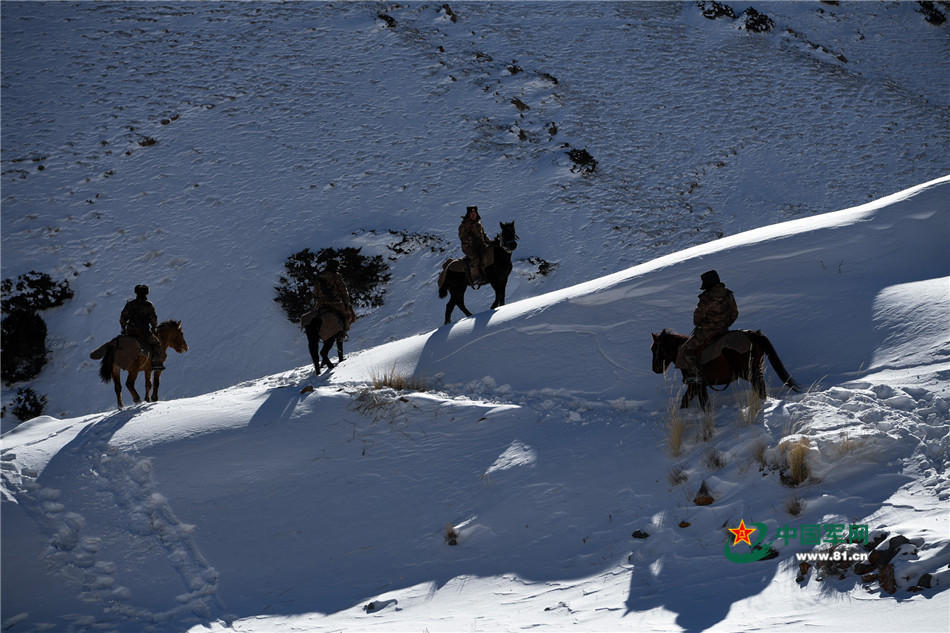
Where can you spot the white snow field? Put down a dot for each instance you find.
(536, 436)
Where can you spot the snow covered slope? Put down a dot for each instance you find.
(542, 441)
(283, 126)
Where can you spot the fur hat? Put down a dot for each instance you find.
(710, 278)
(471, 208)
(141, 290)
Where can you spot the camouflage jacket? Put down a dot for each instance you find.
(331, 292)
(473, 237)
(716, 311)
(138, 317)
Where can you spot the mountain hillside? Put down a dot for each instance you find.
(531, 476)
(194, 147)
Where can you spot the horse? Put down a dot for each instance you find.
(125, 353)
(327, 327)
(454, 278)
(725, 367)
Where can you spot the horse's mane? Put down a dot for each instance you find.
(169, 323)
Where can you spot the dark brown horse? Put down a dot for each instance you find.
(454, 280)
(726, 367)
(125, 353)
(326, 326)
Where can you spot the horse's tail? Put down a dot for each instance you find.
(105, 367)
(777, 365)
(443, 280)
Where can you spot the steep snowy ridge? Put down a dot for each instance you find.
(329, 509)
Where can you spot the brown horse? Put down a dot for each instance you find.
(454, 280)
(726, 366)
(326, 326)
(125, 353)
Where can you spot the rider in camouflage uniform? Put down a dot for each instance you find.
(474, 243)
(139, 320)
(332, 295)
(714, 314)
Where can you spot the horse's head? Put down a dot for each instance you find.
(664, 348)
(171, 335)
(508, 239)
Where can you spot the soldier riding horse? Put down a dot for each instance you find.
(455, 276)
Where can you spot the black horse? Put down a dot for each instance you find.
(728, 366)
(327, 327)
(454, 281)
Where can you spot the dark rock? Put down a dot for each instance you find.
(895, 543)
(583, 161)
(640, 534)
(926, 581)
(388, 19)
(873, 543)
(703, 497)
(887, 581)
(449, 12)
(757, 22)
(931, 13)
(712, 10)
(521, 105)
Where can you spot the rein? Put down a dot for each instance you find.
(506, 245)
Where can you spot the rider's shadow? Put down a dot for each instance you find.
(279, 405)
(89, 445)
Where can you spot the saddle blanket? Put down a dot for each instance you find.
(735, 340)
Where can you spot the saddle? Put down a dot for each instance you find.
(735, 340)
(330, 322)
(461, 265)
(127, 349)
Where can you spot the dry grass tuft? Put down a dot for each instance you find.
(794, 506)
(797, 466)
(715, 459)
(394, 380)
(759, 453)
(372, 403)
(676, 428)
(847, 444)
(709, 424)
(678, 476)
(750, 406)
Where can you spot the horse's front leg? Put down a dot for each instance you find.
(117, 383)
(130, 384)
(684, 403)
(499, 297)
(703, 397)
(148, 383)
(339, 348)
(459, 299)
(313, 342)
(448, 310)
(325, 352)
(157, 378)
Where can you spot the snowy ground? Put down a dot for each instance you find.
(540, 437)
